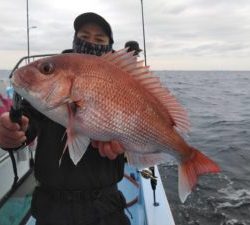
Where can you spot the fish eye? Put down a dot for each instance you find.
(47, 68)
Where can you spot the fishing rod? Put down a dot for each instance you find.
(143, 30)
(153, 179)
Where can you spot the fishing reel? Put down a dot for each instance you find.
(147, 174)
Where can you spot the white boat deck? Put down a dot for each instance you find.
(6, 170)
(144, 212)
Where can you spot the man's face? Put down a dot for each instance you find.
(93, 33)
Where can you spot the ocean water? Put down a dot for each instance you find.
(218, 104)
(4, 74)
(4, 81)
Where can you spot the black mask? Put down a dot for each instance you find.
(81, 46)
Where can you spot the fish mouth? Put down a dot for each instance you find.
(20, 89)
(31, 97)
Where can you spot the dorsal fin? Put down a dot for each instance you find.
(127, 62)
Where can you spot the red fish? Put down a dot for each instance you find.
(113, 97)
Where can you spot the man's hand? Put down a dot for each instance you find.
(110, 149)
(12, 135)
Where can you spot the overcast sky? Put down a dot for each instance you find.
(180, 34)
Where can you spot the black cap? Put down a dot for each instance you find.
(91, 17)
(132, 46)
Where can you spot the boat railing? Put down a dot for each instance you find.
(27, 59)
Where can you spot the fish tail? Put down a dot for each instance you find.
(191, 168)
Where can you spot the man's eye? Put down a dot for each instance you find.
(100, 41)
(84, 37)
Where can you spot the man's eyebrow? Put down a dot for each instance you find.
(100, 35)
(97, 35)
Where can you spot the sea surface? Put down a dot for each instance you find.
(4, 81)
(218, 104)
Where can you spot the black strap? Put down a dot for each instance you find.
(15, 116)
(13, 160)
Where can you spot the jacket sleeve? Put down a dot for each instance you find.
(35, 118)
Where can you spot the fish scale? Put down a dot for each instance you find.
(129, 133)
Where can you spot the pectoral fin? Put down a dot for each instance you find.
(77, 143)
(78, 147)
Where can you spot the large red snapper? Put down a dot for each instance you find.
(113, 97)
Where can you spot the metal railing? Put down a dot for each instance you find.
(33, 57)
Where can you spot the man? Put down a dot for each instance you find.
(133, 46)
(69, 194)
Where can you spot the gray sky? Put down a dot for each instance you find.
(180, 34)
